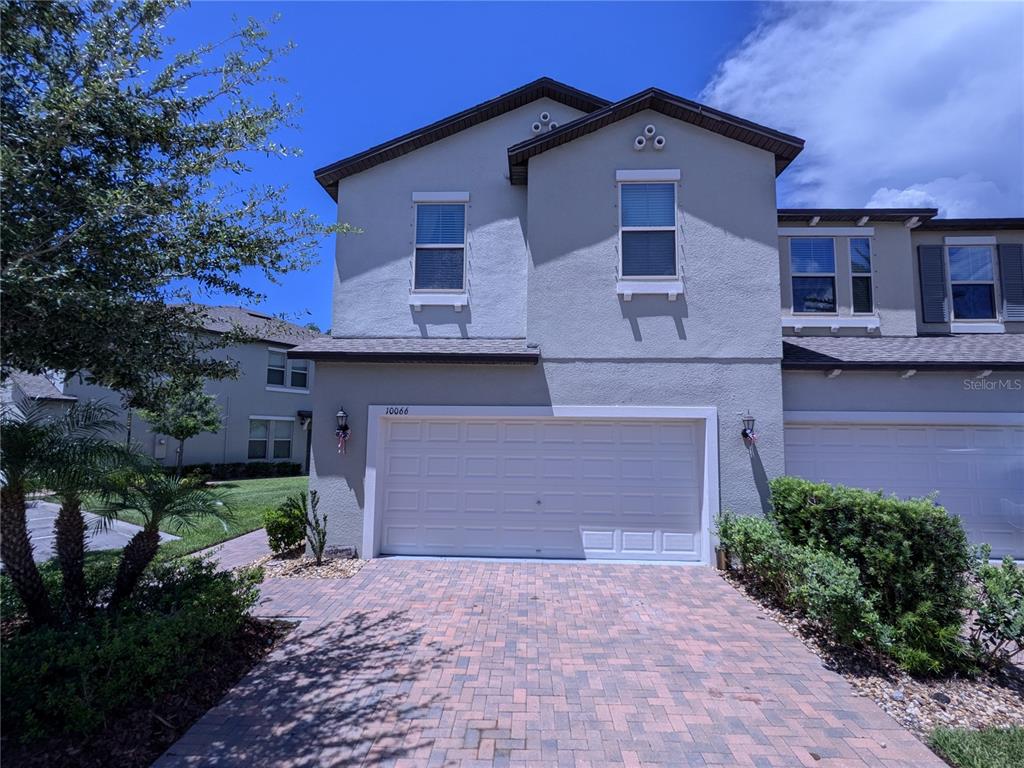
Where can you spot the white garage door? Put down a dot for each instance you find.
(978, 471)
(555, 488)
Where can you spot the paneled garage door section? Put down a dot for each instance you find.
(558, 488)
(978, 471)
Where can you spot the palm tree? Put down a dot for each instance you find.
(26, 435)
(78, 461)
(159, 499)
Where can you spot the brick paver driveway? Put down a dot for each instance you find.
(463, 663)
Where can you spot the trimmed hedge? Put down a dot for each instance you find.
(241, 470)
(72, 679)
(872, 569)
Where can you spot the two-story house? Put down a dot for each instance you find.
(266, 410)
(558, 335)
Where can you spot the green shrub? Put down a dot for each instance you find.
(997, 632)
(912, 557)
(819, 584)
(241, 470)
(72, 679)
(286, 525)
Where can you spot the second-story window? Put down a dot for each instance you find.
(972, 282)
(277, 366)
(812, 263)
(299, 374)
(440, 261)
(648, 229)
(860, 275)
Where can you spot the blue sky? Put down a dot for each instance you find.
(364, 73)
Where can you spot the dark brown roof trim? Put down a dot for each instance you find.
(889, 365)
(446, 358)
(973, 224)
(852, 214)
(784, 146)
(329, 175)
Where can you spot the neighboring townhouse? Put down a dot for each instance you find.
(42, 393)
(267, 409)
(558, 335)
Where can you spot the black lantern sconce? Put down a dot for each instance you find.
(749, 437)
(343, 432)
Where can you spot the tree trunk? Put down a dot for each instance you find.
(69, 534)
(16, 553)
(138, 553)
(181, 457)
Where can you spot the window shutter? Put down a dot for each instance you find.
(1011, 270)
(932, 268)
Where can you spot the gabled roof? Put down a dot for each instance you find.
(973, 224)
(853, 214)
(968, 352)
(782, 145)
(36, 386)
(224, 319)
(545, 87)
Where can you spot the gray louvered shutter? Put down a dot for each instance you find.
(1011, 271)
(931, 263)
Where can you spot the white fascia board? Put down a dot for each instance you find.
(440, 197)
(923, 418)
(969, 240)
(668, 174)
(826, 231)
(272, 418)
(828, 321)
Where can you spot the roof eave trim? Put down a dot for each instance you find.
(510, 358)
(801, 365)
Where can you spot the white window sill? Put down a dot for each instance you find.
(293, 390)
(976, 327)
(456, 299)
(670, 287)
(832, 322)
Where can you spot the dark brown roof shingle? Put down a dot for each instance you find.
(224, 319)
(995, 351)
(399, 350)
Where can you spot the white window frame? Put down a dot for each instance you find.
(994, 282)
(870, 275)
(674, 229)
(289, 366)
(832, 274)
(440, 199)
(270, 439)
(284, 370)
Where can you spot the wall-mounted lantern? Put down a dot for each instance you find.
(343, 432)
(749, 437)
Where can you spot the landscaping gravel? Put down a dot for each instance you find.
(306, 567)
(992, 699)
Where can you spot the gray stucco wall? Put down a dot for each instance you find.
(238, 399)
(892, 266)
(885, 391)
(729, 386)
(936, 237)
(374, 269)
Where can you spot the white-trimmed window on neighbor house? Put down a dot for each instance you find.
(812, 265)
(647, 228)
(972, 281)
(440, 258)
(270, 438)
(286, 374)
(860, 276)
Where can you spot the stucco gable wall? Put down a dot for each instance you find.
(374, 269)
(727, 247)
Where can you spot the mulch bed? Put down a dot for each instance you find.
(142, 735)
(993, 699)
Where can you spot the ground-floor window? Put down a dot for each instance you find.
(270, 438)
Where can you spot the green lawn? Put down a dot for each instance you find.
(246, 499)
(991, 748)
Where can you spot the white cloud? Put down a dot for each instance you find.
(900, 104)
